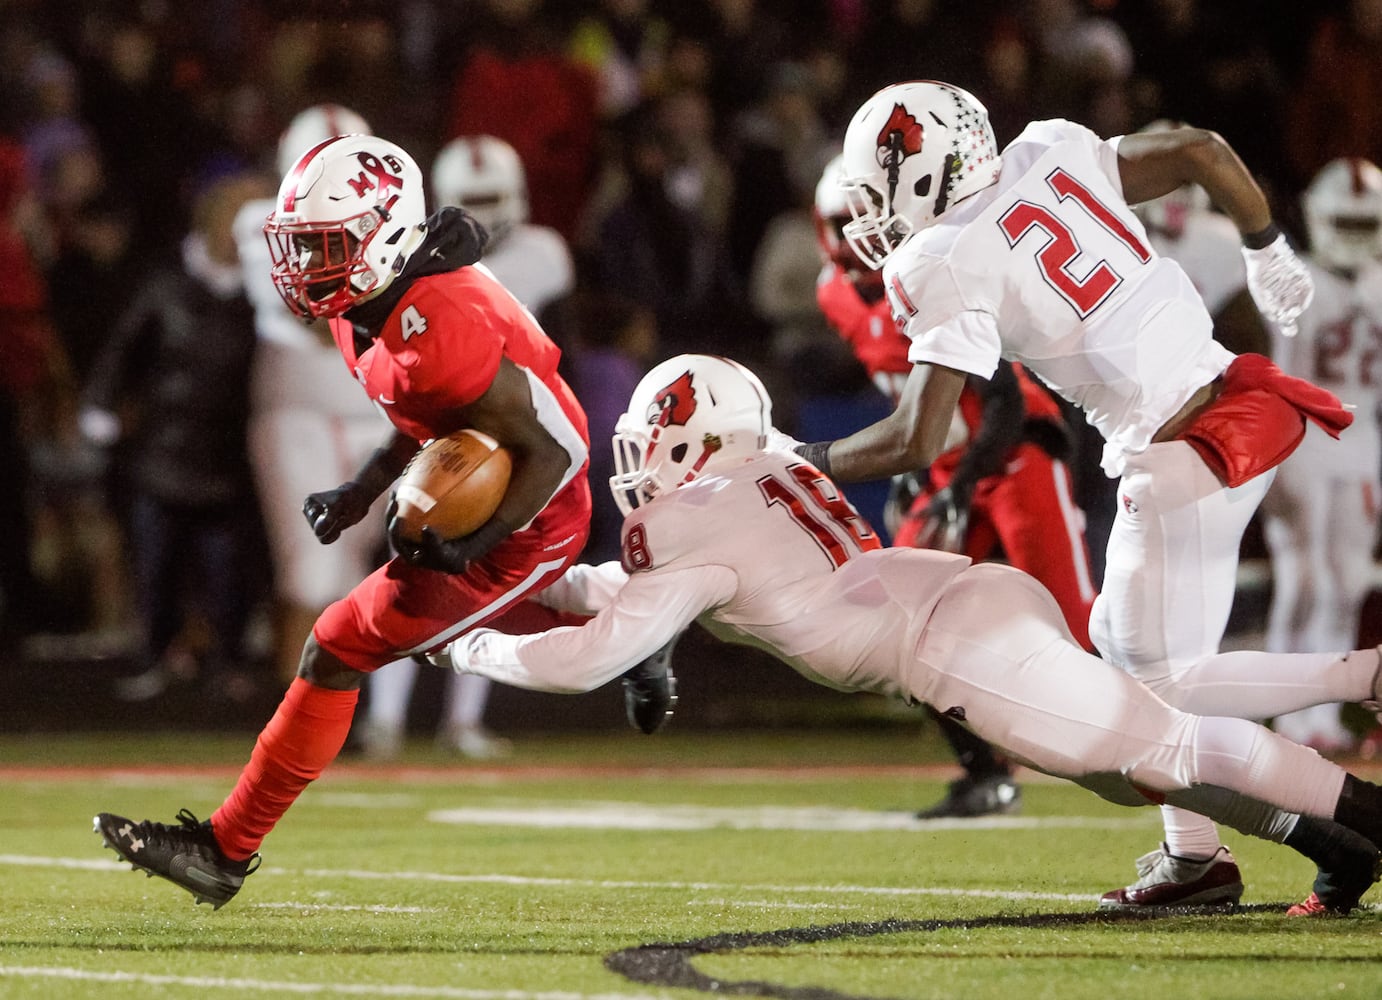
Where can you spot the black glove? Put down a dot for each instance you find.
(445, 555)
(332, 511)
(902, 492)
(650, 691)
(946, 520)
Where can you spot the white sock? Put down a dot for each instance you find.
(1189, 835)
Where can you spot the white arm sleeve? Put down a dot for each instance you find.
(649, 611)
(585, 589)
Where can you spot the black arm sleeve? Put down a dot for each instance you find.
(1000, 429)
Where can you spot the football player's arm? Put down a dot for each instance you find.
(508, 411)
(905, 440)
(1000, 429)
(1151, 164)
(584, 589)
(331, 512)
(650, 610)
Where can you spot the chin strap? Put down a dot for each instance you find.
(952, 164)
(892, 162)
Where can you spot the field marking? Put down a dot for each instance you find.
(492, 774)
(345, 907)
(281, 987)
(642, 816)
(445, 878)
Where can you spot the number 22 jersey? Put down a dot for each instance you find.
(1049, 267)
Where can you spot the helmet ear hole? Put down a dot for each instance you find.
(679, 453)
(923, 186)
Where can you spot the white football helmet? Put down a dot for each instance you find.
(1168, 214)
(349, 215)
(690, 414)
(312, 125)
(1343, 213)
(911, 151)
(485, 176)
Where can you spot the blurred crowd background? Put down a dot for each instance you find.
(674, 144)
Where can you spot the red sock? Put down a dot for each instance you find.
(305, 734)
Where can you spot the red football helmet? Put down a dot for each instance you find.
(349, 215)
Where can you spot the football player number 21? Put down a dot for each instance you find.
(1056, 254)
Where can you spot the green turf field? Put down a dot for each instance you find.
(782, 864)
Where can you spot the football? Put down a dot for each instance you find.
(453, 485)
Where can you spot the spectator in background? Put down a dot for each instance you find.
(151, 142)
(1175, 42)
(780, 143)
(172, 389)
(1010, 67)
(916, 39)
(782, 285)
(516, 83)
(1337, 108)
(625, 44)
(36, 397)
(654, 246)
(483, 175)
(744, 39)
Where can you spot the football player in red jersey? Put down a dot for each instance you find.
(438, 344)
(1002, 481)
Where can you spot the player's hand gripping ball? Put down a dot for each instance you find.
(453, 486)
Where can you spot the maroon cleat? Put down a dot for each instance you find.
(1166, 880)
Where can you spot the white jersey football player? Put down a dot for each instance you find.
(1321, 515)
(485, 176)
(729, 528)
(1035, 256)
(309, 422)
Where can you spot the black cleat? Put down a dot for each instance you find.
(650, 691)
(967, 797)
(186, 855)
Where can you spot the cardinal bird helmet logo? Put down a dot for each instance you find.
(900, 137)
(675, 404)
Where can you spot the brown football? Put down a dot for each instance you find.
(453, 485)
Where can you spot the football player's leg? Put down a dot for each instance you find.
(1042, 532)
(1286, 533)
(397, 609)
(1169, 583)
(1029, 689)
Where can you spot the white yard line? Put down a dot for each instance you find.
(642, 816)
(445, 878)
(282, 987)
